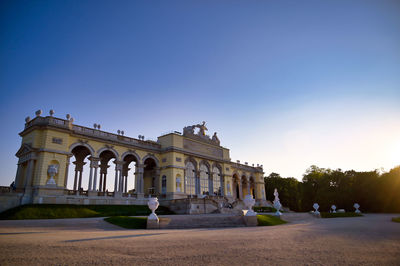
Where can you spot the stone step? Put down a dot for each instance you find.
(201, 221)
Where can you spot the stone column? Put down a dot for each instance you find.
(248, 187)
(104, 181)
(139, 180)
(116, 179)
(29, 174)
(95, 179)
(126, 184)
(101, 181)
(90, 178)
(27, 198)
(80, 180)
(197, 182)
(18, 176)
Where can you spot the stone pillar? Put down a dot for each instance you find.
(95, 179)
(18, 176)
(197, 182)
(116, 179)
(27, 198)
(248, 187)
(139, 180)
(104, 181)
(29, 174)
(126, 184)
(90, 178)
(80, 180)
(66, 172)
(101, 182)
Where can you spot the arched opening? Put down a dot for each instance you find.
(204, 180)
(149, 177)
(128, 184)
(78, 180)
(190, 179)
(107, 180)
(236, 186)
(217, 187)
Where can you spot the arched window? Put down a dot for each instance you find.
(190, 179)
(204, 179)
(217, 184)
(164, 185)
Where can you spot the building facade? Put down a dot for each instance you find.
(178, 165)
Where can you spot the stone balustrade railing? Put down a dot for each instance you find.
(91, 132)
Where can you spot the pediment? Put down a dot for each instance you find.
(24, 149)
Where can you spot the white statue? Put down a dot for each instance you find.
(153, 205)
(356, 206)
(249, 203)
(277, 203)
(333, 207)
(52, 171)
(316, 206)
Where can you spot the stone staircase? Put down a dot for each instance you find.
(201, 221)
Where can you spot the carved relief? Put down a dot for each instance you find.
(201, 148)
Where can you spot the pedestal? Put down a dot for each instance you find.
(153, 223)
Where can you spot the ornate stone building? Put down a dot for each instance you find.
(177, 166)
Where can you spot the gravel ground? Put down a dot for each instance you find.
(369, 240)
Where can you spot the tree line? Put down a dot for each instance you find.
(374, 191)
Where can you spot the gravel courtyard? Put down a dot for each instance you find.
(369, 240)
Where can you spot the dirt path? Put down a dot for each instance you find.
(369, 240)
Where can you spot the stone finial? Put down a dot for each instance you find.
(119, 131)
(122, 132)
(68, 116)
(38, 113)
(95, 125)
(51, 112)
(71, 119)
(246, 163)
(238, 161)
(98, 126)
(27, 119)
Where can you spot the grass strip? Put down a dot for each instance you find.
(269, 220)
(396, 220)
(128, 222)
(59, 211)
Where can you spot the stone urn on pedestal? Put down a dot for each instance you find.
(356, 206)
(333, 207)
(52, 171)
(249, 203)
(152, 220)
(316, 207)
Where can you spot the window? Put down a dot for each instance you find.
(190, 179)
(217, 184)
(204, 179)
(164, 185)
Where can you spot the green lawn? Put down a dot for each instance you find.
(268, 220)
(397, 220)
(128, 222)
(57, 211)
(339, 215)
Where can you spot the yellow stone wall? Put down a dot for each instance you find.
(58, 153)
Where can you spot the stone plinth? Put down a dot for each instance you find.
(153, 224)
(250, 220)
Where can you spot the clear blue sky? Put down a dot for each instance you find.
(285, 83)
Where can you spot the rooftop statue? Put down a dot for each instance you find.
(189, 131)
(202, 128)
